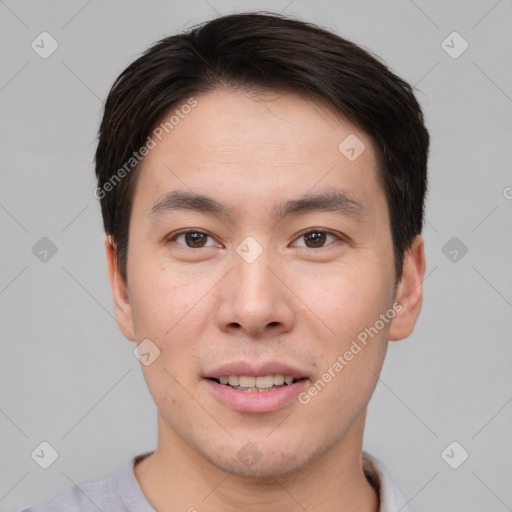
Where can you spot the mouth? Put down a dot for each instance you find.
(253, 384)
(255, 388)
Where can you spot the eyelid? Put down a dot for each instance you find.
(173, 236)
(307, 231)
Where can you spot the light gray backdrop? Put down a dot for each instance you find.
(69, 378)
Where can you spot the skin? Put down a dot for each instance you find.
(295, 303)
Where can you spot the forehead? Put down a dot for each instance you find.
(257, 146)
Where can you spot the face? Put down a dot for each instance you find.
(260, 248)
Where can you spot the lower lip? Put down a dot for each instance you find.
(257, 401)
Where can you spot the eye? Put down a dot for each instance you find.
(192, 239)
(312, 239)
(317, 238)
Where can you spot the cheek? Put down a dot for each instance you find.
(167, 388)
(346, 298)
(170, 310)
(163, 300)
(352, 307)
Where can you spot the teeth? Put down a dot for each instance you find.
(246, 382)
(264, 382)
(251, 383)
(278, 380)
(256, 390)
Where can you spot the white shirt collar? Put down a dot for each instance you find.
(391, 500)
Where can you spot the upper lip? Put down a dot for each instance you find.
(255, 369)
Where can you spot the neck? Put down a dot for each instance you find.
(177, 477)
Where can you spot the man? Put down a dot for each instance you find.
(262, 186)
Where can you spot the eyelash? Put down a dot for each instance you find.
(173, 237)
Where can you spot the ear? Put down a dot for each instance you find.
(119, 289)
(410, 292)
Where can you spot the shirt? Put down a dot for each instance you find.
(120, 492)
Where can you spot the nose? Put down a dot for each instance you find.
(255, 301)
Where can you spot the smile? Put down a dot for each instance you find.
(251, 384)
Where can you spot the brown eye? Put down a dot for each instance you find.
(317, 239)
(192, 239)
(195, 239)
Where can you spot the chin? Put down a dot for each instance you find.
(267, 467)
(263, 458)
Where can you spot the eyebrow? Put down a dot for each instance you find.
(334, 200)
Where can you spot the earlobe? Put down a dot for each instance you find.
(410, 292)
(120, 295)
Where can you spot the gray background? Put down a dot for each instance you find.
(68, 377)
